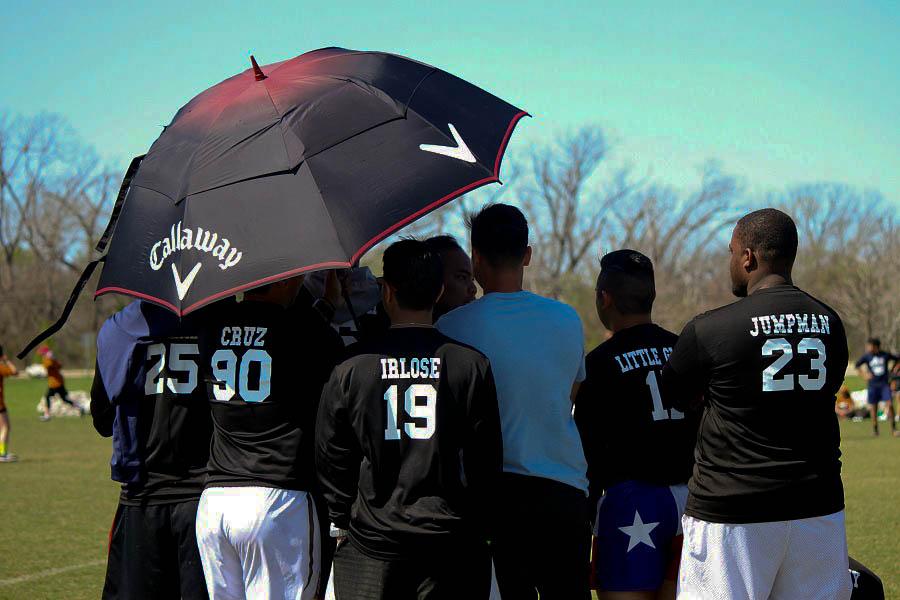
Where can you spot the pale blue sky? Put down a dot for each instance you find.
(779, 92)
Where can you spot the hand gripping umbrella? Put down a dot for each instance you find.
(293, 167)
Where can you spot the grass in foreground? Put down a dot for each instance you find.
(57, 503)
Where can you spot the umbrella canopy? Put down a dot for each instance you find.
(298, 166)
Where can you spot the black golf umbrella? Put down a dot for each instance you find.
(298, 166)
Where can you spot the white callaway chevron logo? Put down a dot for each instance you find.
(460, 152)
(182, 286)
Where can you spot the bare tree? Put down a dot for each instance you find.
(566, 212)
(848, 241)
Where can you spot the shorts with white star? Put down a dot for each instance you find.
(638, 536)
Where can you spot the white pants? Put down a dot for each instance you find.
(258, 543)
(783, 560)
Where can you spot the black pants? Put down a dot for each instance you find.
(542, 542)
(153, 554)
(58, 391)
(464, 574)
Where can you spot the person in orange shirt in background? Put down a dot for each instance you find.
(56, 384)
(7, 369)
(843, 405)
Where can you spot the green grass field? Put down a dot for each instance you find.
(57, 502)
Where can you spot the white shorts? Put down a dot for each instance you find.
(258, 542)
(783, 560)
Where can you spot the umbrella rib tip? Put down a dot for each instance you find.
(256, 70)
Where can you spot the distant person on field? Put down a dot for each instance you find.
(7, 369)
(844, 406)
(877, 373)
(765, 510)
(459, 282)
(148, 396)
(536, 348)
(56, 384)
(639, 448)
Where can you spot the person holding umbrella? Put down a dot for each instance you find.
(264, 369)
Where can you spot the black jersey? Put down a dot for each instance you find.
(629, 430)
(768, 367)
(148, 396)
(264, 367)
(408, 443)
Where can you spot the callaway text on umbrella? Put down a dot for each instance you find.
(297, 166)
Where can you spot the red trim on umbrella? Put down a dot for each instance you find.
(225, 294)
(332, 265)
(465, 189)
(148, 297)
(263, 281)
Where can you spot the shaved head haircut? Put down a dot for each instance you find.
(770, 233)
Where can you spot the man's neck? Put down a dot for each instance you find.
(266, 298)
(411, 318)
(505, 282)
(627, 321)
(767, 280)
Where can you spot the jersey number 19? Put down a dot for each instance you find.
(414, 409)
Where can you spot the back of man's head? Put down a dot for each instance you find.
(500, 235)
(415, 272)
(443, 243)
(771, 234)
(627, 275)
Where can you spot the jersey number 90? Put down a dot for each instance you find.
(232, 375)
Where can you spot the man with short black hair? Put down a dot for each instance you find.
(877, 374)
(409, 450)
(536, 348)
(264, 363)
(459, 284)
(639, 448)
(765, 512)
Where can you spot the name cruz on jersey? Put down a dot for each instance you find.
(249, 375)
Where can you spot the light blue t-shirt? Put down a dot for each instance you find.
(536, 349)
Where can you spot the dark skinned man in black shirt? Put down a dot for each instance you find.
(764, 516)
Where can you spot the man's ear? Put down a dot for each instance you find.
(527, 260)
(748, 260)
(606, 299)
(438, 299)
